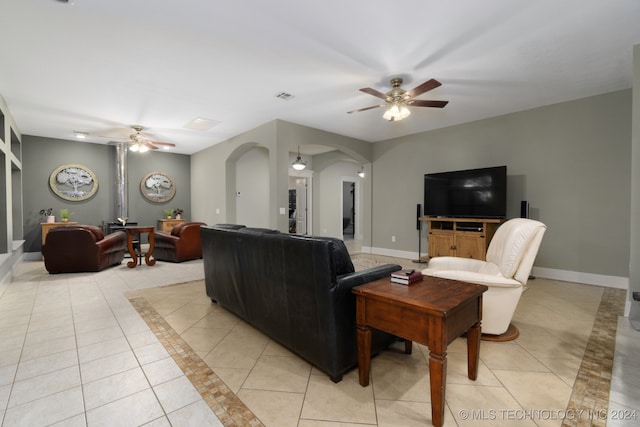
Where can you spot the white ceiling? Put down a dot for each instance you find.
(96, 66)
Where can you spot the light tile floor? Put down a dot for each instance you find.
(75, 351)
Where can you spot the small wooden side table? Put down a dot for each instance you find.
(46, 226)
(136, 231)
(167, 225)
(432, 312)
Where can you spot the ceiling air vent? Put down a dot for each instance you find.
(284, 95)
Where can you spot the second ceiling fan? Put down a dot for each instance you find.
(397, 100)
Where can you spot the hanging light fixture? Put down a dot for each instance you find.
(361, 172)
(299, 164)
(396, 112)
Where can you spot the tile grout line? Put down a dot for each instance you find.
(229, 409)
(590, 396)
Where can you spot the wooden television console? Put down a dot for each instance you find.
(461, 237)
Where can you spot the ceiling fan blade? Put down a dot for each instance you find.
(373, 92)
(150, 145)
(365, 109)
(168, 144)
(421, 103)
(424, 87)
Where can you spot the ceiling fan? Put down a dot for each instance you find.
(397, 99)
(137, 141)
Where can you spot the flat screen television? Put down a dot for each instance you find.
(473, 193)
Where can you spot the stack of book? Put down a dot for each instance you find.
(406, 277)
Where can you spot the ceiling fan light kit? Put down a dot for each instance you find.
(397, 100)
(396, 112)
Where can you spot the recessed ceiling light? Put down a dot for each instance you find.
(201, 124)
(81, 135)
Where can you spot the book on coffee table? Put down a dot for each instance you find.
(406, 277)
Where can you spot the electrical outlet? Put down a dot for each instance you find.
(218, 211)
(393, 238)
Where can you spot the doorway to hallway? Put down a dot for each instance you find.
(300, 204)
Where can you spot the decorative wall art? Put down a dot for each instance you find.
(157, 187)
(73, 182)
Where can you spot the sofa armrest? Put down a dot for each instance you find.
(350, 280)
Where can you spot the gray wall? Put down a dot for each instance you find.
(42, 155)
(571, 161)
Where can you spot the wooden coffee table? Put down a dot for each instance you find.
(432, 312)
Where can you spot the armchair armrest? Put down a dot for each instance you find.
(480, 278)
(116, 241)
(162, 236)
(455, 263)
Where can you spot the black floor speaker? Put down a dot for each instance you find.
(419, 228)
(524, 209)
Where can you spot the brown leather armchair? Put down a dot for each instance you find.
(78, 248)
(182, 244)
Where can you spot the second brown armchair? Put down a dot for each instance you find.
(182, 244)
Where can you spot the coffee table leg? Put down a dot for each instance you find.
(132, 251)
(152, 243)
(364, 354)
(473, 351)
(438, 373)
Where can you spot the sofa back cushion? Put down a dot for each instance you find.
(341, 257)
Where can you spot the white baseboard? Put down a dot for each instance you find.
(32, 256)
(547, 273)
(389, 252)
(579, 277)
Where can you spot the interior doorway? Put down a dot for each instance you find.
(350, 209)
(300, 204)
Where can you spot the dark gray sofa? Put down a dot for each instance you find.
(295, 289)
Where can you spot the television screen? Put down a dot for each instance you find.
(473, 193)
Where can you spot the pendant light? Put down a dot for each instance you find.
(299, 164)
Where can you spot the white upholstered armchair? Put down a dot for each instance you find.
(508, 264)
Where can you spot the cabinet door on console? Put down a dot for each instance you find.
(470, 246)
(441, 244)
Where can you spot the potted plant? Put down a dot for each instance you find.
(65, 215)
(177, 212)
(168, 213)
(48, 213)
